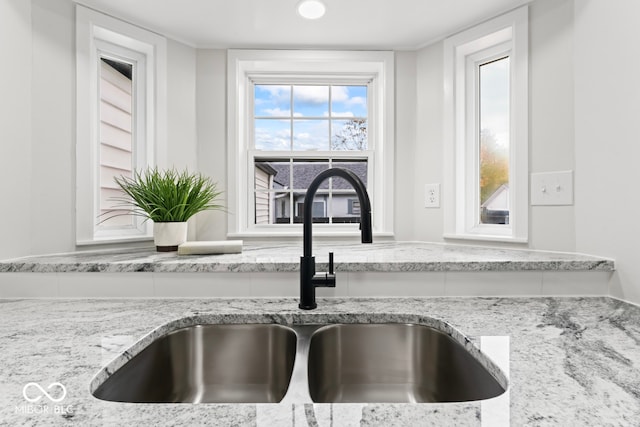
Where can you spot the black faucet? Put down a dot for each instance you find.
(309, 280)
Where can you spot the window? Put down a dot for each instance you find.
(293, 115)
(116, 118)
(120, 98)
(354, 207)
(318, 127)
(493, 128)
(486, 130)
(319, 211)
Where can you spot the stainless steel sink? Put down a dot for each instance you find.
(268, 363)
(211, 363)
(394, 363)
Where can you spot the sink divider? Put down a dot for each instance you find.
(298, 391)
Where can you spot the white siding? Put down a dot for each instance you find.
(263, 199)
(499, 201)
(116, 156)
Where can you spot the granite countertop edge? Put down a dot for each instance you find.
(349, 257)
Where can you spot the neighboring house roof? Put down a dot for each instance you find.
(121, 67)
(266, 168)
(304, 175)
(499, 200)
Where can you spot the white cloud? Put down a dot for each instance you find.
(307, 99)
(276, 91)
(311, 135)
(311, 94)
(356, 100)
(272, 140)
(272, 95)
(339, 94)
(276, 112)
(343, 114)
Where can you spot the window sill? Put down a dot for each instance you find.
(486, 238)
(288, 235)
(114, 240)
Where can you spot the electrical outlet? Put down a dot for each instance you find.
(432, 196)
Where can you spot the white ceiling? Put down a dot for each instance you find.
(348, 24)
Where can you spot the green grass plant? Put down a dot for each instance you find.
(166, 196)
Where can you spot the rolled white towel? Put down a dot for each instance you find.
(210, 247)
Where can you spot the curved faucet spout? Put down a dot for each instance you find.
(363, 197)
(309, 280)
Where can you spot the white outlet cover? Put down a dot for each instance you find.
(432, 196)
(552, 188)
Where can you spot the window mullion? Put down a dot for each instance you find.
(330, 201)
(291, 117)
(477, 131)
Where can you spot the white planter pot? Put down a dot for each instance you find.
(168, 235)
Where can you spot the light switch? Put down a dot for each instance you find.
(552, 188)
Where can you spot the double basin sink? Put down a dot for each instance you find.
(270, 363)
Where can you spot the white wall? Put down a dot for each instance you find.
(37, 145)
(607, 113)
(551, 126)
(15, 127)
(405, 127)
(182, 135)
(181, 106)
(52, 227)
(428, 154)
(211, 78)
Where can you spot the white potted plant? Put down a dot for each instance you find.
(169, 199)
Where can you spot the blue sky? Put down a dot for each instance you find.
(310, 101)
(273, 102)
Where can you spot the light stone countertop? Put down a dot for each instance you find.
(377, 257)
(572, 361)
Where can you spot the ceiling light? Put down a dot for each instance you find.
(311, 9)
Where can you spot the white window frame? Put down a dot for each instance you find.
(463, 53)
(101, 35)
(249, 67)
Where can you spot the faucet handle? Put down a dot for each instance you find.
(330, 262)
